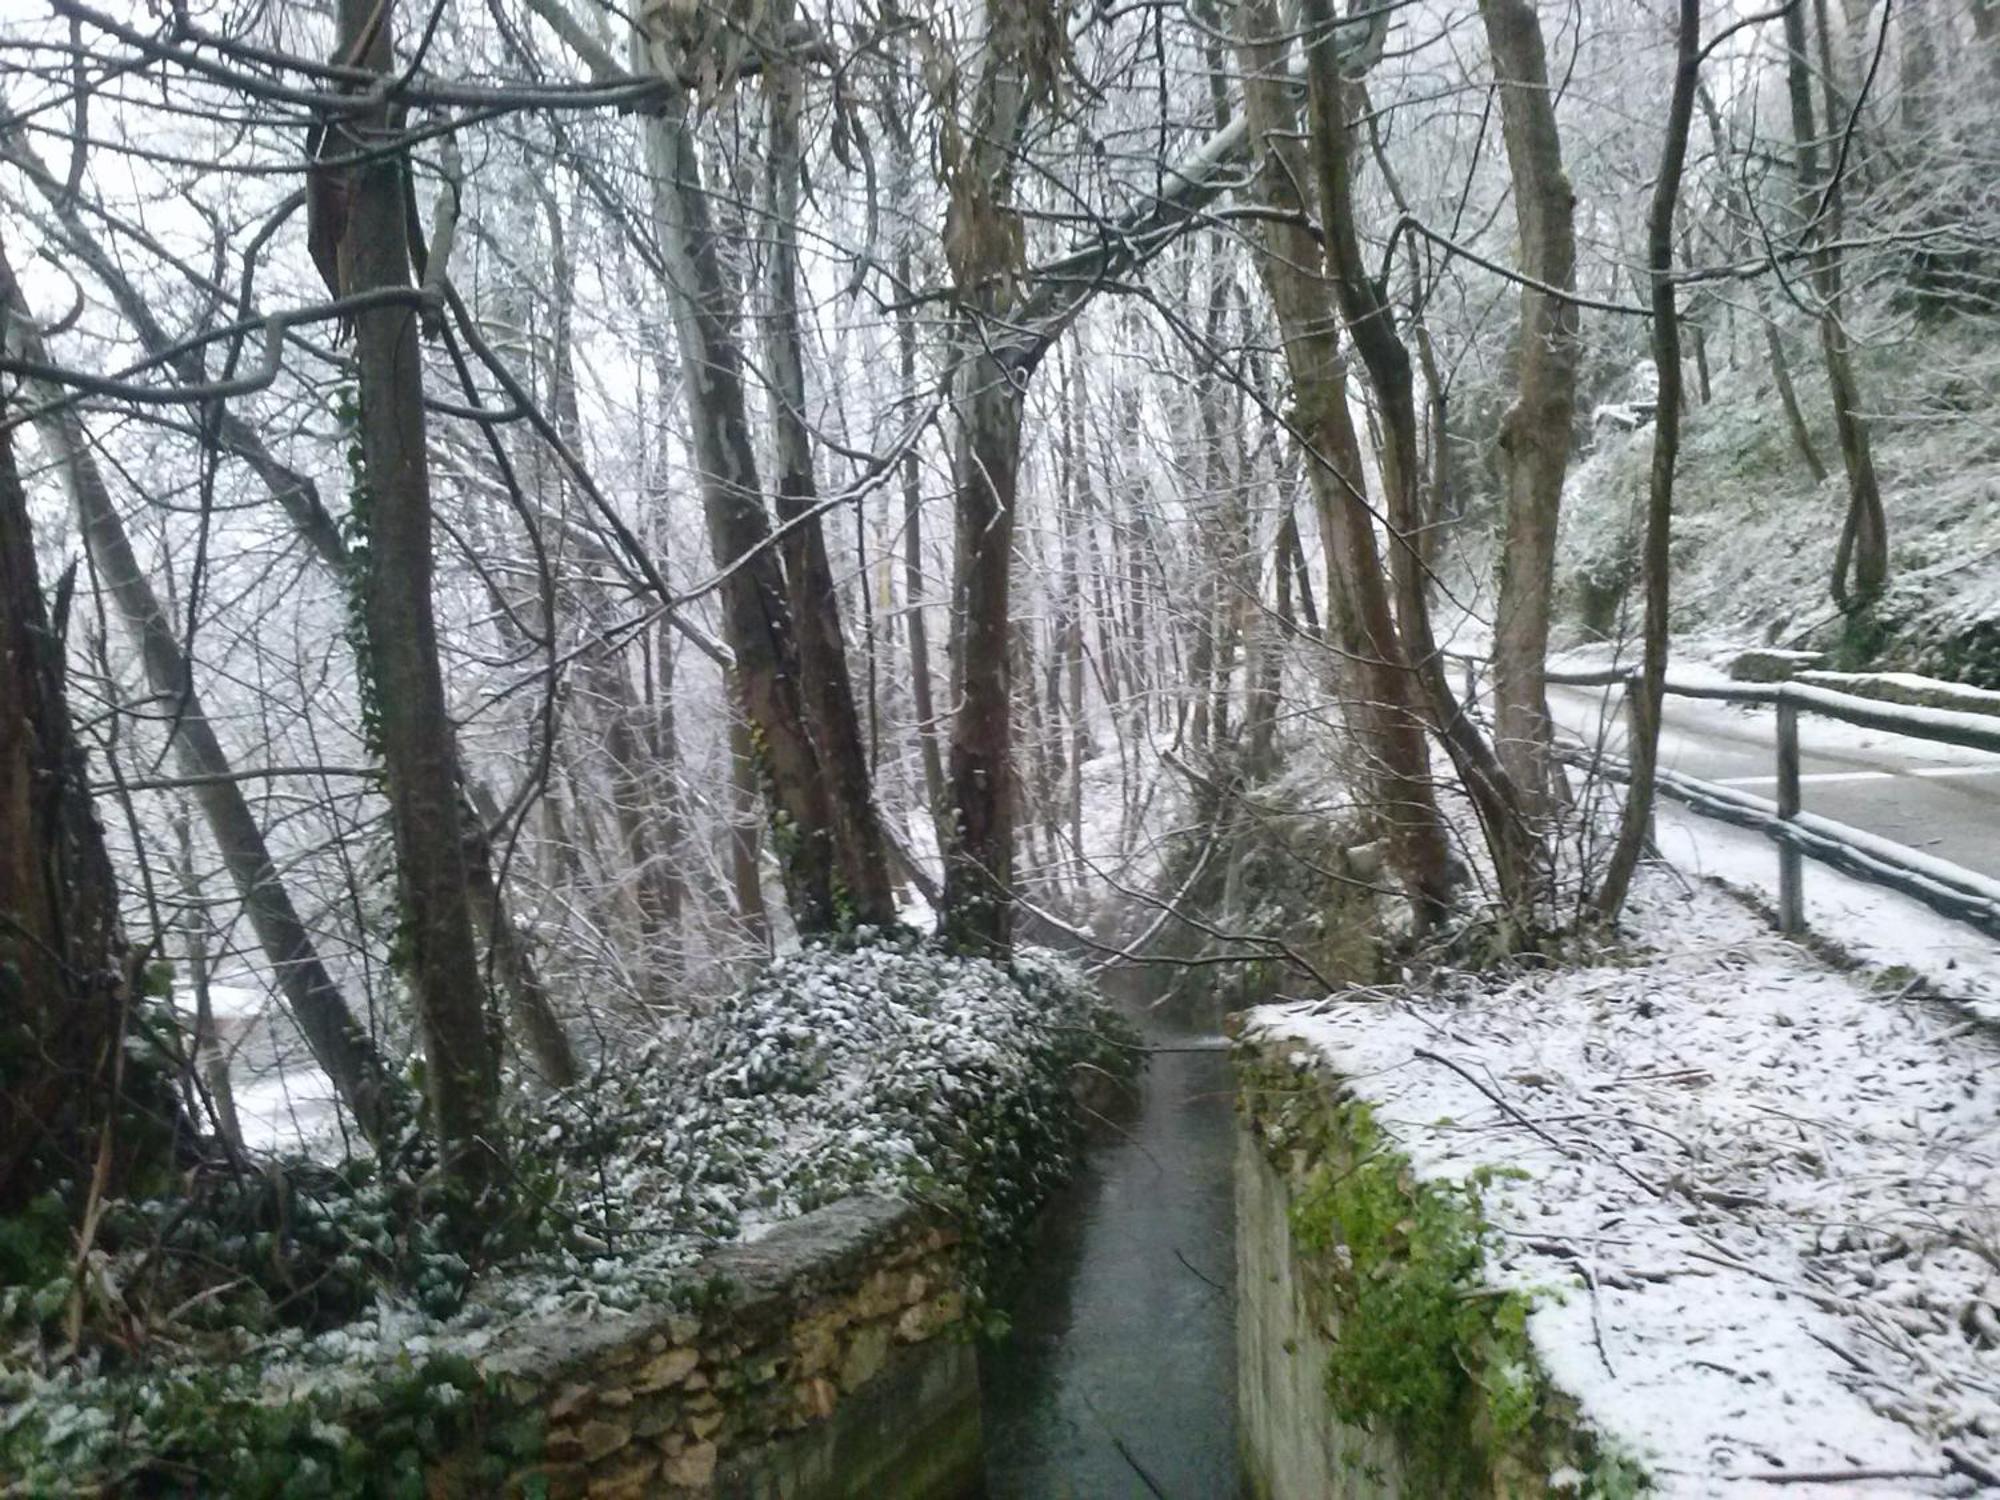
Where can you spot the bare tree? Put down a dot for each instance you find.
(74, 1108)
(1535, 434)
(324, 1017)
(1864, 537)
(984, 246)
(836, 727)
(1378, 689)
(1370, 323)
(419, 756)
(1643, 752)
(298, 498)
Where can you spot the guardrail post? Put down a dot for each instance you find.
(1791, 863)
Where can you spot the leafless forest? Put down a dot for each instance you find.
(512, 511)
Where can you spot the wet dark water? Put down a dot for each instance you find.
(1119, 1378)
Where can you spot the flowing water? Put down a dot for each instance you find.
(1119, 1378)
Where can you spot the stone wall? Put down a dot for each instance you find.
(829, 1359)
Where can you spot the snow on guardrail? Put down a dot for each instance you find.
(1956, 892)
(1949, 726)
(1905, 687)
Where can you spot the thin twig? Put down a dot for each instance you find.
(1519, 1118)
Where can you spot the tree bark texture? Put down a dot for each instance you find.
(419, 753)
(829, 690)
(979, 855)
(1535, 433)
(746, 835)
(1644, 740)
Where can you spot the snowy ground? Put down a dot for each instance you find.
(1764, 1201)
(1877, 926)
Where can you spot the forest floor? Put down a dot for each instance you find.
(1761, 1213)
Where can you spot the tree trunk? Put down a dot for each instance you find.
(1263, 662)
(419, 755)
(624, 720)
(829, 692)
(745, 834)
(332, 1033)
(1644, 752)
(294, 492)
(536, 1029)
(1863, 549)
(66, 974)
(1292, 557)
(1370, 323)
(1378, 690)
(667, 801)
(979, 856)
(1077, 519)
(630, 753)
(1535, 433)
(982, 237)
(1781, 368)
(913, 575)
(211, 1056)
(1788, 396)
(1438, 505)
(1986, 30)
(757, 614)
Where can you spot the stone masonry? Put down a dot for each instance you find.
(825, 1347)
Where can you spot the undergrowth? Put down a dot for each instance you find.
(1419, 1335)
(301, 1329)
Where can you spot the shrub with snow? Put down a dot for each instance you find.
(889, 1066)
(886, 1066)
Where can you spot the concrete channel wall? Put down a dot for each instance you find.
(1311, 1172)
(1292, 1444)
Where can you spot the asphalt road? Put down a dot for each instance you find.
(1936, 798)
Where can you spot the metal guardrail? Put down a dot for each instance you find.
(1949, 889)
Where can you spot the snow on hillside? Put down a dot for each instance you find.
(1754, 537)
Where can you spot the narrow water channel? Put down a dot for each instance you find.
(1119, 1377)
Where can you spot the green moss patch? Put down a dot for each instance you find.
(1426, 1351)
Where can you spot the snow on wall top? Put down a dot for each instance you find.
(1763, 1204)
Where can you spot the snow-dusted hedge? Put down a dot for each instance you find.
(886, 1067)
(889, 1067)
